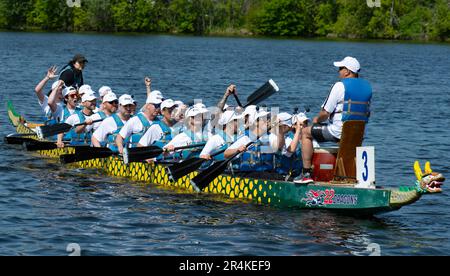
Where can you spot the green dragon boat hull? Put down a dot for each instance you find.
(338, 197)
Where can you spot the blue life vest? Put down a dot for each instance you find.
(358, 94)
(254, 160)
(136, 137)
(228, 142)
(289, 165)
(79, 138)
(66, 114)
(167, 135)
(111, 144)
(102, 115)
(185, 154)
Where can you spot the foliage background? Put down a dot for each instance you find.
(395, 19)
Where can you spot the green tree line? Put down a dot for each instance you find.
(393, 19)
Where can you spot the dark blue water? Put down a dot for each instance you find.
(45, 206)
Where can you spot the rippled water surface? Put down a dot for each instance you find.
(45, 206)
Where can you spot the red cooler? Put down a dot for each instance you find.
(324, 160)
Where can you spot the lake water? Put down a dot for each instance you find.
(45, 206)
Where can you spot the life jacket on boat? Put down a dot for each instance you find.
(66, 114)
(166, 136)
(229, 140)
(358, 94)
(289, 165)
(102, 115)
(258, 157)
(79, 138)
(136, 137)
(196, 139)
(111, 139)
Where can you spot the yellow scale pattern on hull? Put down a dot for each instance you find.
(232, 187)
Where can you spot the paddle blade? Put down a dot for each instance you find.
(203, 179)
(68, 158)
(77, 157)
(18, 139)
(40, 145)
(51, 130)
(141, 153)
(264, 92)
(178, 170)
(82, 149)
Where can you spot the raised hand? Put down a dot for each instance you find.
(51, 72)
(231, 89)
(147, 81)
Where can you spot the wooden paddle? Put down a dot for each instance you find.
(51, 130)
(143, 153)
(261, 94)
(205, 177)
(49, 145)
(19, 139)
(86, 153)
(39, 145)
(179, 170)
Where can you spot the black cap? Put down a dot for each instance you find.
(79, 58)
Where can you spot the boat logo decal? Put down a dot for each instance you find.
(320, 198)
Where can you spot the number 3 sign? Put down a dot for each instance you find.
(365, 167)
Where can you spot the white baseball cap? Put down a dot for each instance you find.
(262, 114)
(126, 99)
(195, 110)
(87, 97)
(251, 112)
(300, 117)
(167, 104)
(109, 97)
(104, 90)
(158, 93)
(69, 90)
(199, 105)
(285, 118)
(85, 88)
(350, 63)
(179, 103)
(228, 116)
(154, 98)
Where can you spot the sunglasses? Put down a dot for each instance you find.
(157, 106)
(341, 68)
(114, 102)
(73, 96)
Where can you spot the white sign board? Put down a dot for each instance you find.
(365, 167)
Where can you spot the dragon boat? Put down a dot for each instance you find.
(335, 187)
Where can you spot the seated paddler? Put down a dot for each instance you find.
(138, 125)
(68, 106)
(107, 132)
(226, 133)
(109, 107)
(195, 132)
(289, 161)
(160, 133)
(260, 156)
(80, 134)
(349, 99)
